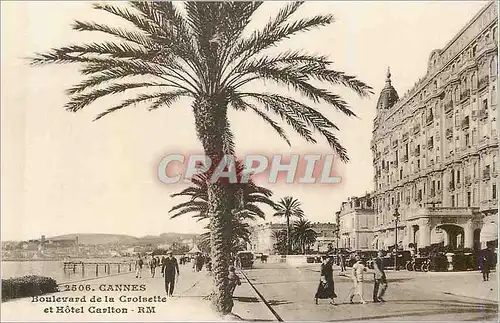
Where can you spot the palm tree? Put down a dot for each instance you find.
(202, 53)
(280, 245)
(303, 234)
(287, 208)
(247, 207)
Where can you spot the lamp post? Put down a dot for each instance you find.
(396, 220)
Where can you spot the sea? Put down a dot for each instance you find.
(55, 269)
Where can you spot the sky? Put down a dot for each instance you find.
(63, 173)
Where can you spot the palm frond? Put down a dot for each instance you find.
(141, 98)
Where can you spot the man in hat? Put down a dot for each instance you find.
(170, 272)
(380, 280)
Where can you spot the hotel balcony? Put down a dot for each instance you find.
(405, 158)
(483, 82)
(430, 144)
(465, 95)
(394, 144)
(416, 152)
(386, 150)
(416, 129)
(468, 180)
(465, 123)
(474, 114)
(451, 186)
(395, 164)
(448, 105)
(405, 136)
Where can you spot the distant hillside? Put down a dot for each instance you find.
(103, 238)
(98, 238)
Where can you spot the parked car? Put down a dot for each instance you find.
(246, 259)
(403, 258)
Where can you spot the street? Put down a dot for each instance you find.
(410, 295)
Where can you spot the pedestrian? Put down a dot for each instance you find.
(152, 266)
(342, 262)
(358, 270)
(138, 267)
(326, 288)
(237, 262)
(163, 259)
(484, 264)
(380, 280)
(171, 273)
(234, 280)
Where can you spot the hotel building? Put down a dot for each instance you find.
(435, 149)
(355, 222)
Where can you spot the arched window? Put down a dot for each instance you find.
(493, 96)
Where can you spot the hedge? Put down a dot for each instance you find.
(27, 286)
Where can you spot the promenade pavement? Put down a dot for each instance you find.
(188, 303)
(411, 296)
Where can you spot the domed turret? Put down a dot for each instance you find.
(388, 95)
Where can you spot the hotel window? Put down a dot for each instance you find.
(453, 201)
(474, 136)
(494, 191)
(439, 185)
(468, 199)
(401, 174)
(493, 128)
(493, 96)
(493, 66)
(485, 104)
(467, 143)
(474, 196)
(458, 177)
(494, 163)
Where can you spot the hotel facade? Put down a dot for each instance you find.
(435, 149)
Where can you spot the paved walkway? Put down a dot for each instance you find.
(410, 296)
(188, 303)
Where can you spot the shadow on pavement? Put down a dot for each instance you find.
(487, 311)
(244, 299)
(275, 302)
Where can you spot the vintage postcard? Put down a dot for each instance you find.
(249, 161)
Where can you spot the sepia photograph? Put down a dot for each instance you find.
(249, 161)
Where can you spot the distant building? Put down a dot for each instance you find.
(355, 223)
(262, 238)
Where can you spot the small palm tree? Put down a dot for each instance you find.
(288, 207)
(202, 53)
(280, 245)
(303, 234)
(248, 209)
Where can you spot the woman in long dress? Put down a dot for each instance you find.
(326, 288)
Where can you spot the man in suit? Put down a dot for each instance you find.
(380, 284)
(170, 272)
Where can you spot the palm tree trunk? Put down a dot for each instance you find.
(211, 123)
(287, 235)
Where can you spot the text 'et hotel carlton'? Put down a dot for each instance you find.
(435, 149)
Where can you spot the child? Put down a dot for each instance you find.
(357, 272)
